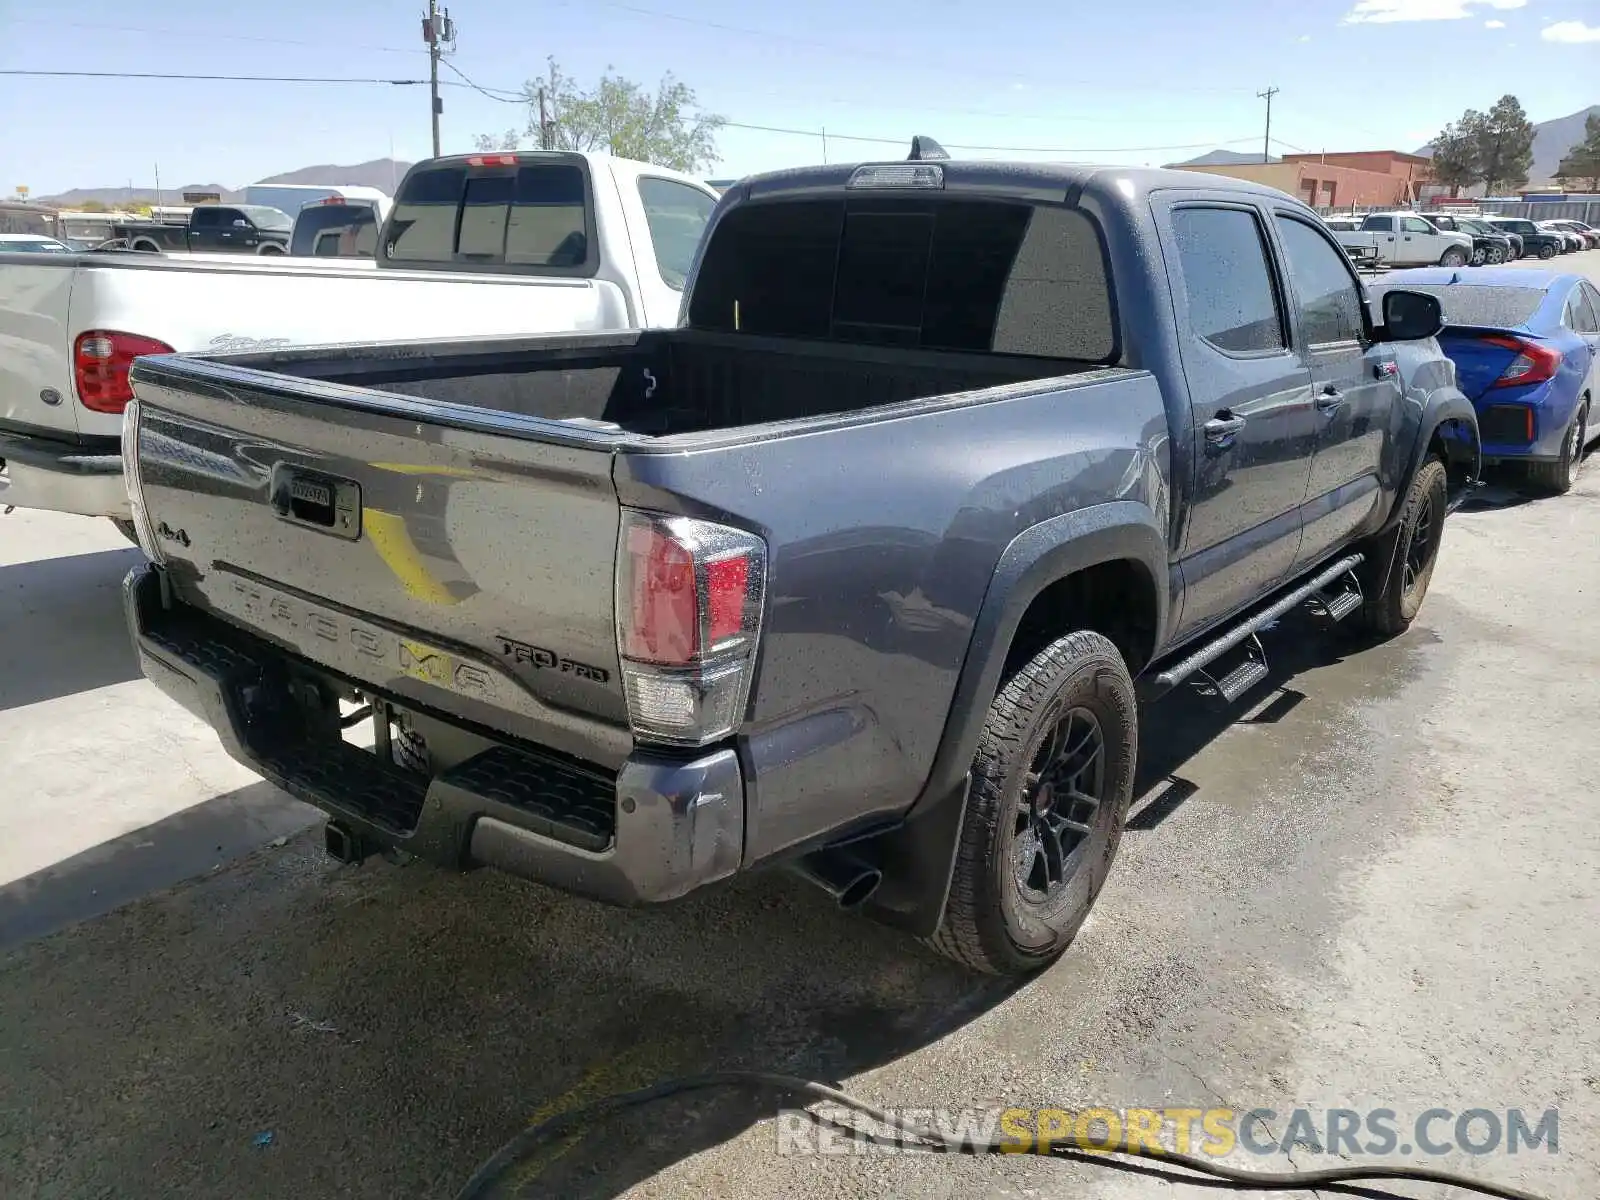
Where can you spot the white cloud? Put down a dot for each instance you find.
(1384, 12)
(1494, 24)
(1573, 32)
(1304, 37)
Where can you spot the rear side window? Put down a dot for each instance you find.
(939, 274)
(1329, 300)
(205, 218)
(1226, 280)
(676, 214)
(1378, 224)
(536, 215)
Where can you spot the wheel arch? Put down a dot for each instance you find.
(1103, 566)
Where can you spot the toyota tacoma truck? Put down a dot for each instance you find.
(520, 243)
(862, 570)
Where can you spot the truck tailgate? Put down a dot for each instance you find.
(444, 555)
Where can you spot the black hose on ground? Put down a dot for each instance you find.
(523, 1144)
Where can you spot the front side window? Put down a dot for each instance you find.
(676, 214)
(1327, 293)
(1226, 279)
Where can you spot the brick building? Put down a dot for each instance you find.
(1360, 178)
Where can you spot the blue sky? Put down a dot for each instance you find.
(1089, 81)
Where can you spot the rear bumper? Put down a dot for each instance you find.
(62, 476)
(661, 827)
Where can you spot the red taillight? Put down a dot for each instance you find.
(1534, 362)
(100, 362)
(492, 160)
(689, 598)
(664, 624)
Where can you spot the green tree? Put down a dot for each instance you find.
(1582, 162)
(1505, 144)
(1455, 153)
(616, 116)
(92, 206)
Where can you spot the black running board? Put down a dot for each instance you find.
(1247, 629)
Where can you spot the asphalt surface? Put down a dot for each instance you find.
(1374, 885)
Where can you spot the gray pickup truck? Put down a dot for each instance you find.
(863, 571)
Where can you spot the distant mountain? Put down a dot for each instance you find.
(111, 197)
(1551, 141)
(382, 173)
(1222, 158)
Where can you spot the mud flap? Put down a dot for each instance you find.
(917, 860)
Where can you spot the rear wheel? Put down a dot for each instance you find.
(1494, 256)
(1547, 251)
(1051, 784)
(1399, 564)
(1453, 257)
(1479, 256)
(1558, 477)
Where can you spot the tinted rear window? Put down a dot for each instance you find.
(316, 220)
(937, 274)
(534, 216)
(1495, 307)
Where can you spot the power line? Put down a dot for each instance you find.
(209, 78)
(503, 95)
(846, 137)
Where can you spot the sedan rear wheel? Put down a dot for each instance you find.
(1558, 477)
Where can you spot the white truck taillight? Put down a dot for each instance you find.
(689, 597)
(130, 475)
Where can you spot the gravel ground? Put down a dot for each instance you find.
(1374, 887)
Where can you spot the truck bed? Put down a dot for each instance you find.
(657, 383)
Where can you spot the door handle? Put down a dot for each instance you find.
(1329, 399)
(1222, 427)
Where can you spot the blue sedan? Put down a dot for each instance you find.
(1525, 345)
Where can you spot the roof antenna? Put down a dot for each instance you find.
(924, 148)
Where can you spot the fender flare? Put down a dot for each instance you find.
(918, 856)
(1447, 404)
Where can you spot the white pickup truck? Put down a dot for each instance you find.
(1402, 239)
(476, 245)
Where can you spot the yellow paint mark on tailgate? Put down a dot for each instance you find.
(388, 535)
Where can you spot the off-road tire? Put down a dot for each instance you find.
(126, 529)
(1557, 478)
(988, 924)
(1391, 605)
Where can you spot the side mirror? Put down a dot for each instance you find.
(1411, 316)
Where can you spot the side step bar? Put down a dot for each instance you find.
(1239, 681)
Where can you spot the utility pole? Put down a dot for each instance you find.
(439, 31)
(1266, 142)
(544, 123)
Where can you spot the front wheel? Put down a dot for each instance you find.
(1051, 783)
(1399, 564)
(1453, 257)
(1557, 478)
